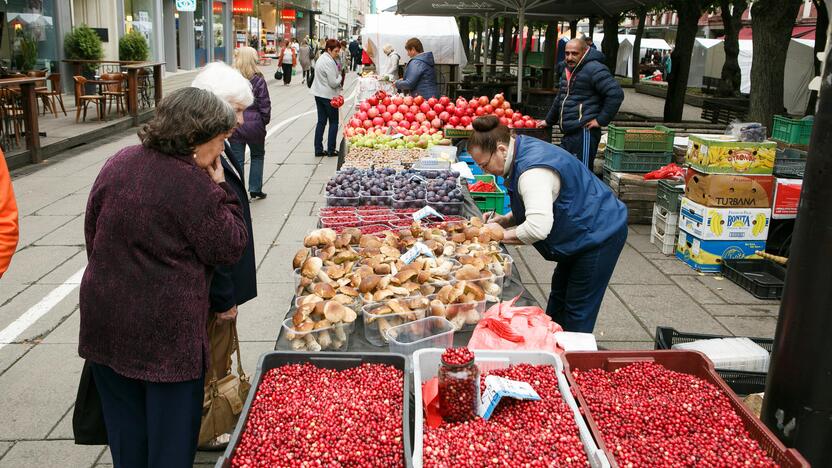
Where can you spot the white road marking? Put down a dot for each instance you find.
(16, 328)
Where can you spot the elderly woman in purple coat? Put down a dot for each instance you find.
(252, 132)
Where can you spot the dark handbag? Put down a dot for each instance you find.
(278, 74)
(310, 77)
(88, 418)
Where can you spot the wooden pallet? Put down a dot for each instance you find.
(638, 194)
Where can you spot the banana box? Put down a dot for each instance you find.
(724, 223)
(724, 154)
(729, 190)
(707, 255)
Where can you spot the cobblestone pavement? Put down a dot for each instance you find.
(39, 369)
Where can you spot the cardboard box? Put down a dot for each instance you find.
(723, 154)
(787, 198)
(729, 190)
(724, 223)
(706, 256)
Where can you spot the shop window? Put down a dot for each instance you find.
(27, 36)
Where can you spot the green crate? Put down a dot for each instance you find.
(658, 139)
(792, 131)
(669, 194)
(489, 201)
(623, 161)
(454, 133)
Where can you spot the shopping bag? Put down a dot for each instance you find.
(278, 74)
(505, 326)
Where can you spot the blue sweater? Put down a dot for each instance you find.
(586, 212)
(420, 77)
(591, 93)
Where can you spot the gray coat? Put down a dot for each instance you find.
(327, 82)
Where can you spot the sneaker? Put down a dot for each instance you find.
(256, 195)
(217, 445)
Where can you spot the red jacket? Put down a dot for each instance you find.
(155, 226)
(9, 230)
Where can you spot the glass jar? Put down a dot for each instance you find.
(459, 390)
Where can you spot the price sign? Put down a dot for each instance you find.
(186, 5)
(417, 249)
(425, 212)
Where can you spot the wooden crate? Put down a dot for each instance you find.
(638, 194)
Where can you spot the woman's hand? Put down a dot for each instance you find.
(510, 237)
(228, 315)
(493, 217)
(216, 171)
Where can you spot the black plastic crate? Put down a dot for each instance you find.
(338, 361)
(764, 279)
(741, 382)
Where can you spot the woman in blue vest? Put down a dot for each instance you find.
(562, 209)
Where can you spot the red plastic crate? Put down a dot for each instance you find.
(687, 362)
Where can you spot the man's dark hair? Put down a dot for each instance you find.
(414, 44)
(186, 118)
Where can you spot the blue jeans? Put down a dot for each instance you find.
(583, 144)
(326, 114)
(579, 283)
(255, 172)
(150, 424)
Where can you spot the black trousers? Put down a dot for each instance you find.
(287, 72)
(583, 144)
(150, 424)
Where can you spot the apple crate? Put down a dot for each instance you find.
(687, 362)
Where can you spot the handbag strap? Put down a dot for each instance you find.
(240, 370)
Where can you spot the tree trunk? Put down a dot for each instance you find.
(495, 40)
(820, 45)
(772, 25)
(478, 48)
(465, 34)
(550, 54)
(610, 43)
(689, 12)
(508, 44)
(731, 76)
(573, 29)
(642, 18)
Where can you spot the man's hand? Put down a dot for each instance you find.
(592, 124)
(228, 315)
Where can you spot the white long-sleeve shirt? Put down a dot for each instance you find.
(391, 66)
(539, 188)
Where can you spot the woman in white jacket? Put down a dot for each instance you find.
(326, 86)
(391, 66)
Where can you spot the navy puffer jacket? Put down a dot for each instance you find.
(420, 77)
(591, 93)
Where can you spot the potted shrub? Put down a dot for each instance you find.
(82, 43)
(28, 53)
(133, 47)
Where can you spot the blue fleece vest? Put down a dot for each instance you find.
(586, 211)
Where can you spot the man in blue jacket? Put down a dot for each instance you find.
(419, 74)
(588, 99)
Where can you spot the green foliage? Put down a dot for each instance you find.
(28, 56)
(133, 47)
(82, 43)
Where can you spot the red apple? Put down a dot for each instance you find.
(430, 115)
(494, 102)
(420, 117)
(518, 124)
(408, 101)
(444, 116)
(386, 101)
(386, 116)
(454, 120)
(436, 123)
(397, 100)
(372, 100)
(402, 108)
(500, 97)
(418, 100)
(424, 107)
(398, 116)
(506, 105)
(414, 125)
(483, 100)
(509, 113)
(365, 106)
(410, 116)
(450, 107)
(354, 123)
(368, 124)
(362, 116)
(432, 101)
(392, 108)
(373, 112)
(465, 120)
(480, 111)
(439, 108)
(489, 109)
(414, 109)
(459, 112)
(381, 107)
(504, 121)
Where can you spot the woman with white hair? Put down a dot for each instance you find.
(234, 284)
(391, 66)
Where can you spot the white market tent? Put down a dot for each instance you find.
(626, 44)
(799, 72)
(707, 60)
(439, 34)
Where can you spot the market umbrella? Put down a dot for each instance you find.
(564, 9)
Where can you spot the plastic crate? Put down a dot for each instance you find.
(489, 201)
(688, 362)
(741, 382)
(790, 163)
(656, 139)
(664, 230)
(669, 194)
(426, 366)
(339, 361)
(792, 131)
(764, 279)
(625, 161)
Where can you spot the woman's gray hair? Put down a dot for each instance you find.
(226, 82)
(387, 49)
(186, 118)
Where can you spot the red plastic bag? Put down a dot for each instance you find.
(505, 326)
(671, 171)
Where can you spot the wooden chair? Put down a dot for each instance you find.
(11, 108)
(84, 99)
(48, 96)
(116, 92)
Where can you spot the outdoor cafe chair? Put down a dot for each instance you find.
(83, 100)
(49, 96)
(115, 92)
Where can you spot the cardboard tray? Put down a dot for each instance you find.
(339, 361)
(688, 362)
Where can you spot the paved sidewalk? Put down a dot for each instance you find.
(39, 370)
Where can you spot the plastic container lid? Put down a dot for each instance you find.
(429, 332)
